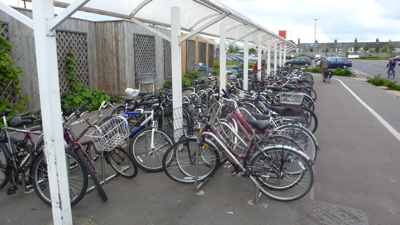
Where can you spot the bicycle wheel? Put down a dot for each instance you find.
(281, 173)
(179, 161)
(4, 155)
(147, 152)
(302, 136)
(309, 119)
(91, 174)
(121, 162)
(77, 178)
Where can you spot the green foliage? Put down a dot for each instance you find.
(80, 93)
(186, 82)
(11, 73)
(233, 49)
(365, 48)
(356, 48)
(192, 75)
(385, 48)
(371, 57)
(252, 50)
(380, 81)
(316, 69)
(342, 72)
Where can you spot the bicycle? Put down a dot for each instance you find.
(81, 152)
(279, 171)
(146, 144)
(16, 160)
(392, 74)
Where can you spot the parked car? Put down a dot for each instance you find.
(337, 62)
(305, 61)
(238, 58)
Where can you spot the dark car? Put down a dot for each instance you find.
(339, 63)
(305, 61)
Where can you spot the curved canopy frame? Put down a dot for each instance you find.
(207, 17)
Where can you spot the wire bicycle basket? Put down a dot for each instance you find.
(291, 98)
(110, 134)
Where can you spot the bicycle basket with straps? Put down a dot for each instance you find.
(110, 134)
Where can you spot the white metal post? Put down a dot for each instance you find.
(284, 54)
(280, 55)
(269, 57)
(176, 60)
(275, 57)
(46, 58)
(222, 56)
(259, 56)
(246, 64)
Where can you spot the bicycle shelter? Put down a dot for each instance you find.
(193, 17)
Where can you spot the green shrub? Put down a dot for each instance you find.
(192, 75)
(342, 72)
(80, 93)
(377, 80)
(314, 69)
(10, 73)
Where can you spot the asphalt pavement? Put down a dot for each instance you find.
(356, 179)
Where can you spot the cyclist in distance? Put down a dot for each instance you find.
(391, 65)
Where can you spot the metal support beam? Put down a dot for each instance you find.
(243, 36)
(198, 30)
(222, 56)
(246, 64)
(269, 58)
(16, 15)
(65, 14)
(145, 26)
(49, 90)
(176, 60)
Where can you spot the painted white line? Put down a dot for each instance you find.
(380, 119)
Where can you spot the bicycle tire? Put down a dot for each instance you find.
(147, 157)
(179, 161)
(121, 162)
(91, 174)
(294, 176)
(4, 155)
(76, 172)
(303, 137)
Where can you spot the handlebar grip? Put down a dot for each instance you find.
(82, 106)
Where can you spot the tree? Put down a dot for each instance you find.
(366, 48)
(233, 49)
(356, 47)
(377, 48)
(252, 50)
(385, 49)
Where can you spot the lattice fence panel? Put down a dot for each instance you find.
(145, 53)
(190, 55)
(76, 42)
(6, 87)
(167, 59)
(202, 52)
(210, 55)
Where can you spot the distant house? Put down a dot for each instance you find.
(350, 47)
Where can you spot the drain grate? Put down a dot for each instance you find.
(320, 213)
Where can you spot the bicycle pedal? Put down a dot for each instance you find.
(11, 190)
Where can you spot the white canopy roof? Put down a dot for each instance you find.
(197, 16)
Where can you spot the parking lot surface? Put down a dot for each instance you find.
(356, 178)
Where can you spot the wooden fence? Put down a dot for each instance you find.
(108, 54)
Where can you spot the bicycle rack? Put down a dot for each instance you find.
(104, 179)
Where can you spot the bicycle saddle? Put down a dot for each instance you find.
(274, 88)
(19, 121)
(259, 125)
(259, 116)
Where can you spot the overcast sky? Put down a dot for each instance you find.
(343, 20)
